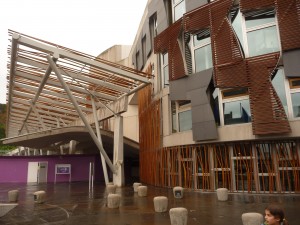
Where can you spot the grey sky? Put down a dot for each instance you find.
(89, 26)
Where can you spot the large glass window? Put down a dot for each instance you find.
(181, 116)
(213, 94)
(201, 48)
(165, 70)
(236, 106)
(296, 104)
(178, 9)
(294, 84)
(262, 35)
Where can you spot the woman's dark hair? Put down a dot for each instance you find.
(277, 212)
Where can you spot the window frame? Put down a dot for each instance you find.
(292, 90)
(194, 48)
(223, 100)
(176, 3)
(246, 30)
(165, 81)
(180, 109)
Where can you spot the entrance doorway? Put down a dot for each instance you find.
(37, 172)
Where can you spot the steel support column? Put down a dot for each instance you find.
(84, 120)
(100, 140)
(42, 84)
(118, 177)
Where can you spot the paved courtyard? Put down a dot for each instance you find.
(74, 204)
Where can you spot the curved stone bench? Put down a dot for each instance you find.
(142, 191)
(252, 218)
(160, 203)
(111, 188)
(222, 194)
(113, 201)
(13, 196)
(135, 186)
(178, 192)
(39, 196)
(178, 216)
(6, 207)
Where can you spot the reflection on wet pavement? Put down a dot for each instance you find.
(75, 204)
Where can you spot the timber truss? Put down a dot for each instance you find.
(50, 86)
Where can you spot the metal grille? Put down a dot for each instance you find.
(229, 65)
(167, 41)
(268, 115)
(247, 5)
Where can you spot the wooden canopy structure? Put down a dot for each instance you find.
(36, 97)
(50, 86)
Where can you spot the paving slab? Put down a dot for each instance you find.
(74, 203)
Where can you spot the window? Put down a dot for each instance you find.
(137, 58)
(181, 116)
(236, 22)
(278, 82)
(295, 96)
(165, 70)
(153, 28)
(144, 51)
(236, 106)
(201, 51)
(262, 34)
(178, 9)
(214, 102)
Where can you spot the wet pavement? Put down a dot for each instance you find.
(75, 204)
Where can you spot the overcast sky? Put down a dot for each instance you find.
(89, 26)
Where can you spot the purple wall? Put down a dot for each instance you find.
(14, 168)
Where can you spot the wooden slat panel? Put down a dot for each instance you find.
(288, 14)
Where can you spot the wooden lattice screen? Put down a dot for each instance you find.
(149, 134)
(242, 167)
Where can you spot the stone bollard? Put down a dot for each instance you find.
(111, 188)
(13, 196)
(142, 191)
(222, 194)
(252, 218)
(39, 196)
(160, 203)
(113, 201)
(178, 192)
(135, 186)
(178, 216)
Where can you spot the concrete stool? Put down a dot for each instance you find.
(178, 216)
(178, 192)
(142, 191)
(135, 186)
(113, 201)
(252, 218)
(160, 203)
(111, 188)
(222, 194)
(39, 196)
(13, 196)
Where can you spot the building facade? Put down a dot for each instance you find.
(223, 109)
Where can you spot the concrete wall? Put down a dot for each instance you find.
(14, 168)
(116, 53)
(237, 132)
(119, 54)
